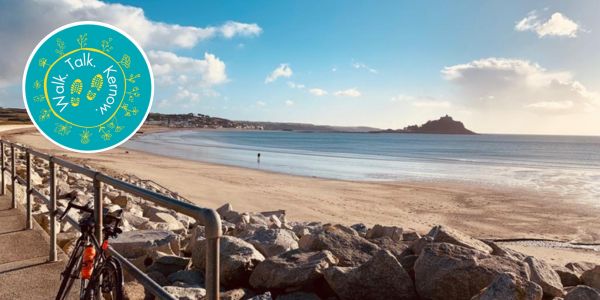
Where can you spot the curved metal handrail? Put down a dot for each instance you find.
(207, 217)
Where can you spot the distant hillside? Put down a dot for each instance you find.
(444, 125)
(204, 121)
(196, 121)
(310, 127)
(13, 116)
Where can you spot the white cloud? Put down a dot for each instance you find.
(294, 85)
(184, 94)
(261, 103)
(289, 103)
(513, 83)
(318, 92)
(283, 70)
(182, 81)
(358, 65)
(231, 29)
(169, 68)
(353, 92)
(556, 25)
(27, 28)
(551, 106)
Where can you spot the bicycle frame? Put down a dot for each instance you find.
(102, 258)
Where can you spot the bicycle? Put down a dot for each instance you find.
(100, 274)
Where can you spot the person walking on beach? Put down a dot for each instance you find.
(258, 158)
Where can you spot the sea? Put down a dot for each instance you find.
(568, 166)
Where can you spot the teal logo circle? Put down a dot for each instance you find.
(88, 87)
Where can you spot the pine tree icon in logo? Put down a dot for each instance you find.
(97, 83)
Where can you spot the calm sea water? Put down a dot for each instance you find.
(568, 165)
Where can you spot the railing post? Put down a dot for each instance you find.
(3, 166)
(13, 176)
(212, 268)
(28, 190)
(98, 207)
(52, 214)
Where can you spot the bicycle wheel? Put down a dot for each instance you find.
(71, 272)
(110, 283)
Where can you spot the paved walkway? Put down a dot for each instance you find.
(25, 272)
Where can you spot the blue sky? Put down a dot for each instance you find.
(386, 65)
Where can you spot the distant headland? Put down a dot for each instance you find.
(443, 125)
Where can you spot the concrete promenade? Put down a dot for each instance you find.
(25, 272)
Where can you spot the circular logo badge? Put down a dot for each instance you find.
(88, 86)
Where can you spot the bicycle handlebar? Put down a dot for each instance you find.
(79, 207)
(110, 219)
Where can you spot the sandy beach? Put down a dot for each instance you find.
(483, 212)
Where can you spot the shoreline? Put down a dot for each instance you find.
(480, 211)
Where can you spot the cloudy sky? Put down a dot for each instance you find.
(499, 66)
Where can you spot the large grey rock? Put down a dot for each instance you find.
(195, 238)
(397, 248)
(135, 220)
(592, 277)
(265, 296)
(302, 229)
(506, 252)
(151, 209)
(271, 242)
(187, 278)
(580, 267)
(410, 235)
(121, 200)
(237, 294)
(238, 259)
(186, 220)
(158, 277)
(419, 244)
(360, 228)
(168, 264)
(227, 213)
(181, 293)
(173, 224)
(379, 231)
(583, 292)
(292, 270)
(543, 274)
(408, 263)
(447, 271)
(568, 277)
(382, 277)
(247, 230)
(134, 209)
(349, 248)
(508, 286)
(137, 243)
(275, 222)
(444, 234)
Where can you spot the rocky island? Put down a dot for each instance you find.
(444, 125)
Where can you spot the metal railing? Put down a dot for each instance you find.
(208, 217)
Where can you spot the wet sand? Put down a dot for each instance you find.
(481, 211)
